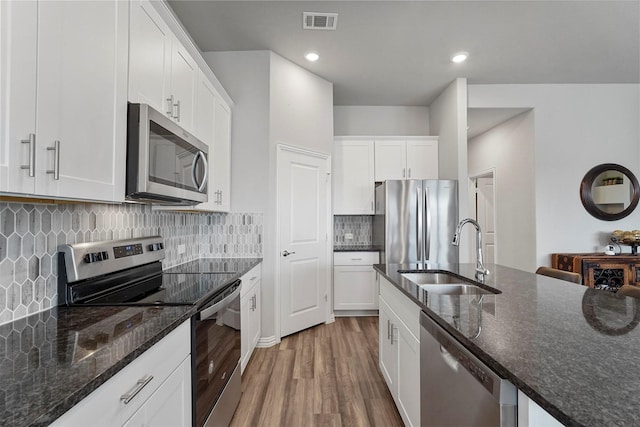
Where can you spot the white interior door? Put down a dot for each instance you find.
(303, 181)
(485, 216)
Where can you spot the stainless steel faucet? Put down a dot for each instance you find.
(481, 270)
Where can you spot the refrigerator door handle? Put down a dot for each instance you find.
(419, 225)
(427, 224)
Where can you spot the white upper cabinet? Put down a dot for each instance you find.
(406, 158)
(391, 159)
(353, 177)
(161, 71)
(76, 149)
(220, 179)
(422, 158)
(18, 47)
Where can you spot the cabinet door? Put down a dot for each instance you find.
(170, 404)
(354, 288)
(18, 47)
(353, 177)
(408, 400)
(422, 159)
(206, 101)
(149, 58)
(255, 327)
(184, 78)
(221, 179)
(390, 160)
(245, 314)
(388, 353)
(81, 100)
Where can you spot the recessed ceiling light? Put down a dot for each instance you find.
(459, 57)
(312, 56)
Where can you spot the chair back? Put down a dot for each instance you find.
(560, 274)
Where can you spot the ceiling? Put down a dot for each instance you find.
(397, 52)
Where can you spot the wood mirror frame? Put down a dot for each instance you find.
(586, 192)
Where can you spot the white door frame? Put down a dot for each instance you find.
(276, 246)
(472, 201)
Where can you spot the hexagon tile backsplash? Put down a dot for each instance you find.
(30, 235)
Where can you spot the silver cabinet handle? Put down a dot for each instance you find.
(356, 259)
(32, 154)
(142, 383)
(403, 172)
(177, 116)
(409, 172)
(287, 253)
(371, 206)
(170, 101)
(388, 329)
(393, 329)
(56, 160)
(253, 278)
(254, 303)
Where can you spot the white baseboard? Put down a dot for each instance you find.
(331, 319)
(265, 342)
(355, 313)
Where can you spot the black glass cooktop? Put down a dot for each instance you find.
(163, 289)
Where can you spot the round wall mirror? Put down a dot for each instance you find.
(609, 192)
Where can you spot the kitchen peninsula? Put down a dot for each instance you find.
(569, 348)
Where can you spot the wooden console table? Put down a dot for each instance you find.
(601, 271)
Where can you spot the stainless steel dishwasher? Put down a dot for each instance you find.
(457, 389)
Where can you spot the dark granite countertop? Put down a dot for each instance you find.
(52, 360)
(569, 348)
(356, 248)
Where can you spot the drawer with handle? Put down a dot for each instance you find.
(355, 258)
(115, 401)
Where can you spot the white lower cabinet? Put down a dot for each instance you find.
(250, 314)
(355, 286)
(532, 415)
(399, 349)
(153, 390)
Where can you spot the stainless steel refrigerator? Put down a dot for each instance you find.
(415, 221)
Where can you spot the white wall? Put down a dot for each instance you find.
(508, 151)
(448, 120)
(245, 76)
(576, 127)
(276, 102)
(357, 120)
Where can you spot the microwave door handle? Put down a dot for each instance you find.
(205, 178)
(199, 186)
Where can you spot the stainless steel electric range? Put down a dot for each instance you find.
(129, 272)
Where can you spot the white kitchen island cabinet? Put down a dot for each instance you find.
(399, 347)
(406, 158)
(155, 386)
(353, 177)
(161, 71)
(67, 138)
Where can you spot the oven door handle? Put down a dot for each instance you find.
(215, 308)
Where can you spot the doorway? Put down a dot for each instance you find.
(303, 267)
(483, 206)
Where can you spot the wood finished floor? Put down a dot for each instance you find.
(324, 376)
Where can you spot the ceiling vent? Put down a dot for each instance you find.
(319, 21)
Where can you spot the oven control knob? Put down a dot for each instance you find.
(155, 247)
(105, 255)
(91, 257)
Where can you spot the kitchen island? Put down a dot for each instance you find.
(569, 348)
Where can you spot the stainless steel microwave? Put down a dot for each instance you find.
(165, 164)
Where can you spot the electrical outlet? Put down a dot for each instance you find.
(348, 236)
(181, 249)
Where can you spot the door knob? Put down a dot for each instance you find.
(287, 253)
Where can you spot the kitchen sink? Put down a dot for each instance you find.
(447, 284)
